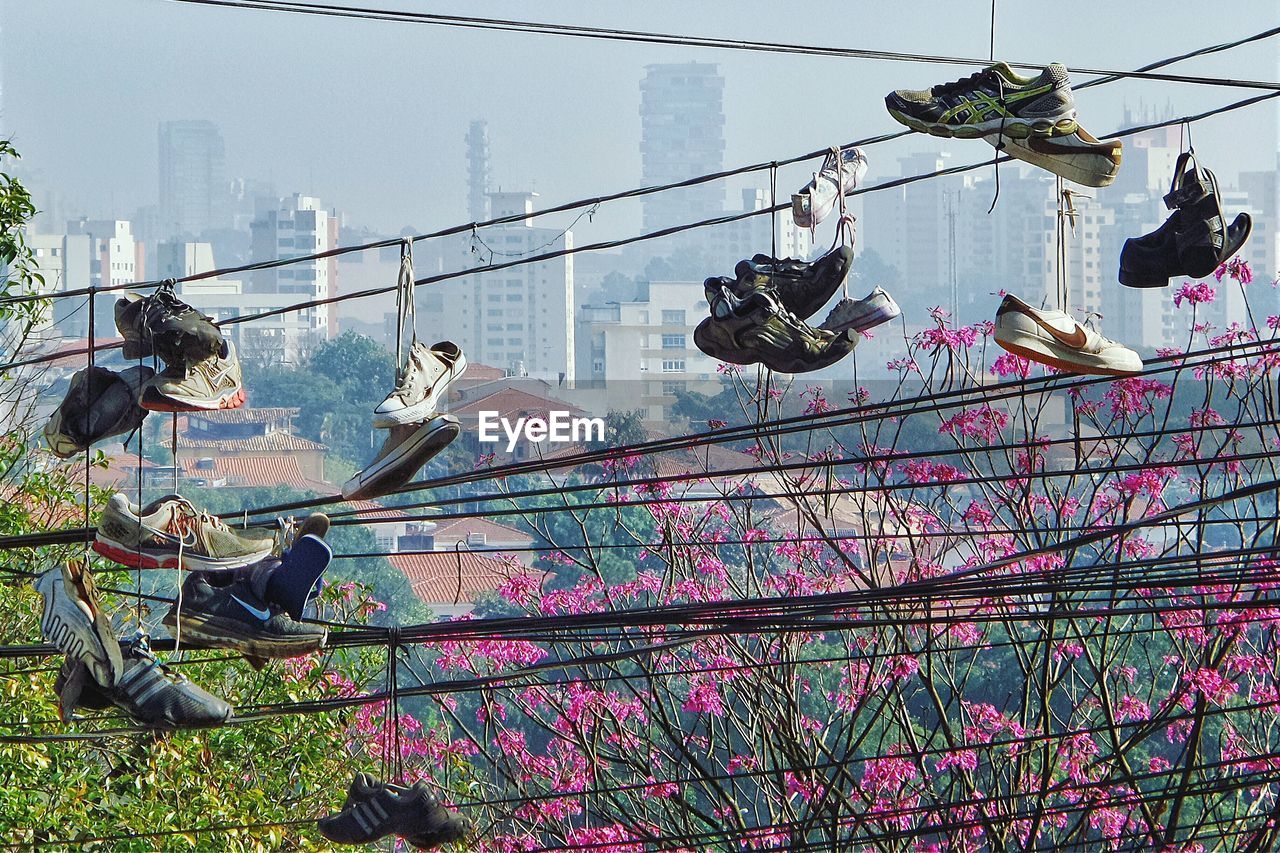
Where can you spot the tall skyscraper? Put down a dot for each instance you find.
(193, 185)
(682, 135)
(478, 171)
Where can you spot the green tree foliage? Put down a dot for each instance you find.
(335, 389)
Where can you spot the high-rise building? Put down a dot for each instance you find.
(290, 227)
(520, 319)
(644, 349)
(682, 135)
(115, 258)
(478, 171)
(193, 186)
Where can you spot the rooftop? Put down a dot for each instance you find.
(448, 577)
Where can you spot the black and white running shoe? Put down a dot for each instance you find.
(152, 693)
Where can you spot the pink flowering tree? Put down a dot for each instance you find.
(1048, 620)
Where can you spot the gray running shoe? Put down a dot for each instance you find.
(74, 622)
(800, 287)
(840, 173)
(100, 403)
(155, 695)
(994, 100)
(423, 382)
(402, 455)
(237, 616)
(374, 810)
(171, 531)
(759, 330)
(162, 324)
(862, 314)
(207, 385)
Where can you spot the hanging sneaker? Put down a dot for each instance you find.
(994, 100)
(423, 382)
(875, 308)
(757, 330)
(1077, 156)
(1054, 338)
(1194, 241)
(100, 403)
(801, 288)
(148, 690)
(237, 616)
(162, 324)
(403, 454)
(170, 532)
(840, 174)
(74, 622)
(374, 810)
(207, 385)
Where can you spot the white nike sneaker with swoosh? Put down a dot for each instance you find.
(1054, 338)
(214, 383)
(1078, 156)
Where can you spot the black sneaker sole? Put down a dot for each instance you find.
(222, 633)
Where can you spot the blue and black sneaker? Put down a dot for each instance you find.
(995, 100)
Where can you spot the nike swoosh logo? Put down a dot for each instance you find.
(1075, 339)
(264, 615)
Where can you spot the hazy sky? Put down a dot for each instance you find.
(371, 116)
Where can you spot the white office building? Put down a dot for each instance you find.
(519, 319)
(294, 226)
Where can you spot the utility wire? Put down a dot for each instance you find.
(610, 34)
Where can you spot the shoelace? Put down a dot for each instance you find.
(965, 82)
(191, 519)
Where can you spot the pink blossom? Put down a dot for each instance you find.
(1194, 294)
(1237, 268)
(1011, 365)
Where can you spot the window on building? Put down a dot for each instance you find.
(674, 365)
(673, 341)
(515, 297)
(597, 365)
(670, 389)
(515, 327)
(673, 318)
(494, 297)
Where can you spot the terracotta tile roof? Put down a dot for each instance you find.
(78, 360)
(482, 372)
(442, 577)
(513, 401)
(459, 528)
(249, 471)
(373, 509)
(247, 416)
(271, 443)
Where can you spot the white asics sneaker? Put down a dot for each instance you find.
(1055, 338)
(861, 314)
(1077, 156)
(838, 175)
(73, 621)
(408, 447)
(423, 382)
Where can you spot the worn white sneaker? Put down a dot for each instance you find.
(1055, 338)
(1077, 156)
(839, 174)
(408, 447)
(861, 314)
(423, 382)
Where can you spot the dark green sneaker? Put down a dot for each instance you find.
(802, 288)
(757, 330)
